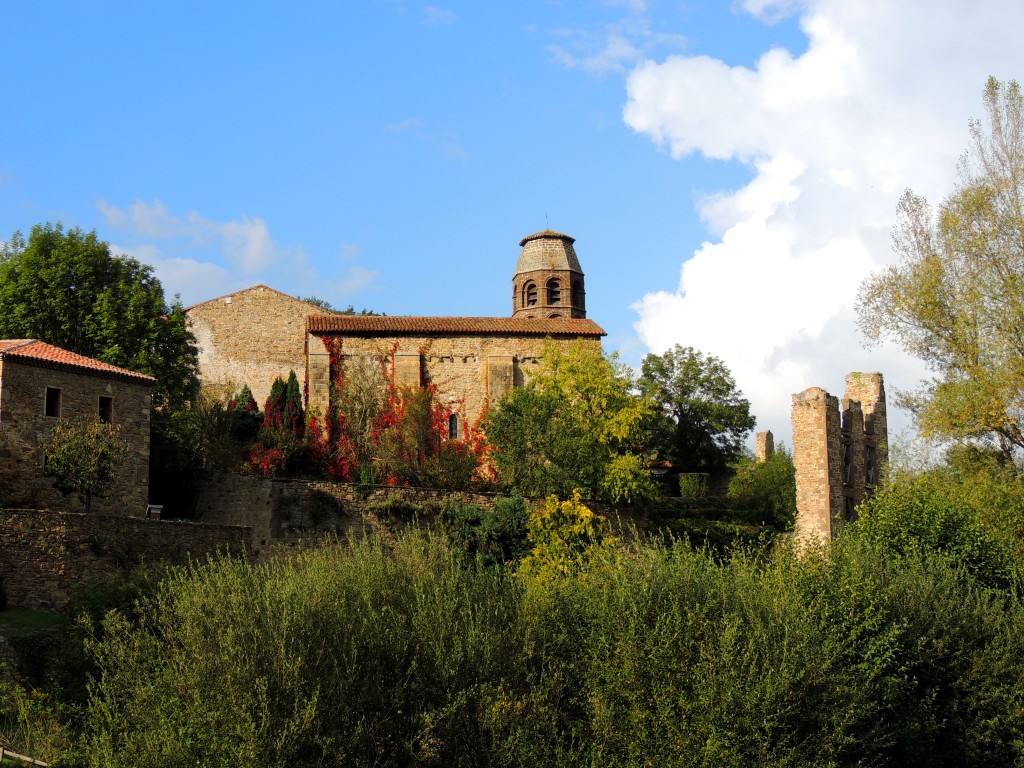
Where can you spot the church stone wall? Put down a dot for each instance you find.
(251, 337)
(24, 429)
(469, 371)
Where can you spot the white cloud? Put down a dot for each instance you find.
(216, 257)
(193, 280)
(445, 141)
(245, 242)
(433, 15)
(879, 101)
(614, 47)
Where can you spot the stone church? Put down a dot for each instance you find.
(254, 335)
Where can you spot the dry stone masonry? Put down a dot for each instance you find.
(40, 383)
(840, 449)
(251, 337)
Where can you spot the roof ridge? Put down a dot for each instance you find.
(47, 354)
(244, 290)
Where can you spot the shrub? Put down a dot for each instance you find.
(656, 655)
(766, 490)
(563, 536)
(497, 536)
(925, 514)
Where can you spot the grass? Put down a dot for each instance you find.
(17, 621)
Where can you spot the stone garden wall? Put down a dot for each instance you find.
(43, 553)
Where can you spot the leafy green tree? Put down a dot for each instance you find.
(767, 489)
(573, 425)
(955, 298)
(83, 456)
(702, 418)
(68, 289)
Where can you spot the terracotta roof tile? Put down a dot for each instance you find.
(407, 325)
(33, 352)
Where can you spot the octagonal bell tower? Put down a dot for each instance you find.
(548, 280)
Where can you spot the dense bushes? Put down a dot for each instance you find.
(655, 655)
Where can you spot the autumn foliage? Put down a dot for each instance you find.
(375, 431)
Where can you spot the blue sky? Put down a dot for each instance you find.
(730, 171)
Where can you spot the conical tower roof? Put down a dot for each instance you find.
(547, 250)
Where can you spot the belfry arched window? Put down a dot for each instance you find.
(577, 293)
(530, 294)
(554, 292)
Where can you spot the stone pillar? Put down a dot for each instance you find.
(869, 390)
(318, 377)
(765, 446)
(500, 376)
(817, 457)
(407, 369)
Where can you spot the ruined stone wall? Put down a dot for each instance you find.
(8, 662)
(24, 428)
(43, 554)
(251, 337)
(290, 513)
(818, 463)
(839, 451)
(765, 447)
(468, 370)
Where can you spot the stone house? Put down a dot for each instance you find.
(252, 336)
(40, 383)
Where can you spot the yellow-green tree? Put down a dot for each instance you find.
(563, 536)
(955, 298)
(577, 424)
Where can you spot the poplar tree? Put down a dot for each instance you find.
(955, 297)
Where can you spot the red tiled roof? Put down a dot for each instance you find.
(406, 325)
(33, 352)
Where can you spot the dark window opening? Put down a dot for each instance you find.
(871, 470)
(52, 407)
(530, 293)
(554, 292)
(453, 427)
(107, 410)
(577, 294)
(847, 464)
(849, 510)
(554, 315)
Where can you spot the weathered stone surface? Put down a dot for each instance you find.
(838, 455)
(281, 514)
(24, 428)
(459, 365)
(43, 554)
(251, 337)
(8, 662)
(765, 446)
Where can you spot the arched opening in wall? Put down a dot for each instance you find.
(453, 427)
(530, 294)
(577, 293)
(554, 315)
(554, 292)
